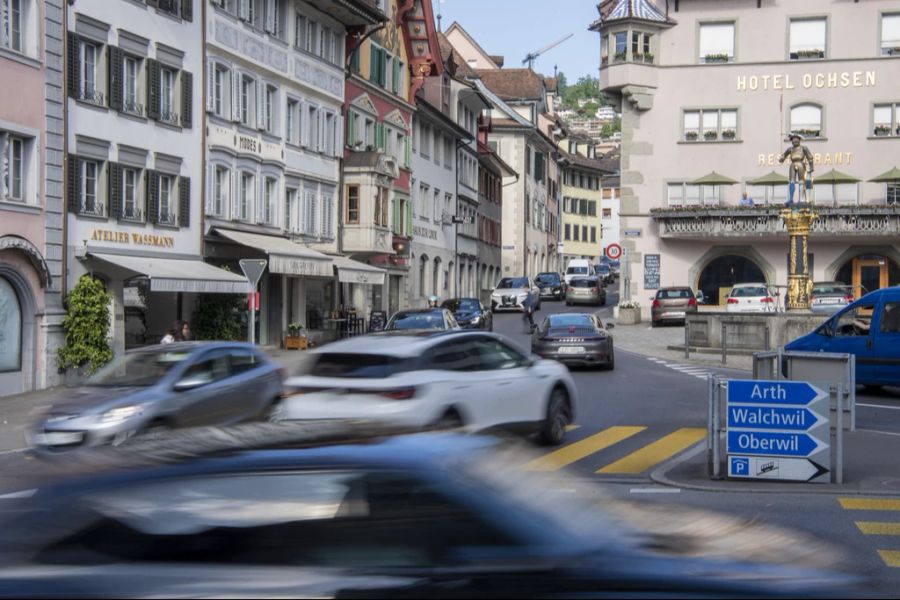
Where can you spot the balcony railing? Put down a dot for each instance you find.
(133, 108)
(132, 213)
(166, 217)
(170, 117)
(92, 208)
(735, 222)
(94, 96)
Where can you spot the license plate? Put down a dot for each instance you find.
(829, 300)
(59, 438)
(572, 350)
(675, 314)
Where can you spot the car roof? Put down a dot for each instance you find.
(400, 343)
(460, 299)
(743, 285)
(192, 346)
(420, 311)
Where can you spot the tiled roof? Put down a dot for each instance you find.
(611, 161)
(551, 83)
(513, 84)
(463, 69)
(616, 10)
(594, 164)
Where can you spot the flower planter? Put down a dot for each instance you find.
(296, 342)
(629, 316)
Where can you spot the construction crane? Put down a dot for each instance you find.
(529, 60)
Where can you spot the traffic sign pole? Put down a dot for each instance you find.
(253, 270)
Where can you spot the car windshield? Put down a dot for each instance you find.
(601, 269)
(577, 271)
(547, 278)
(673, 294)
(570, 320)
(462, 304)
(513, 282)
(428, 320)
(749, 292)
(138, 369)
(827, 288)
(583, 283)
(332, 364)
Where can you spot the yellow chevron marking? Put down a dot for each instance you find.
(890, 557)
(582, 448)
(658, 451)
(870, 503)
(878, 528)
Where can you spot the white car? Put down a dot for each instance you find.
(750, 298)
(474, 380)
(510, 293)
(578, 267)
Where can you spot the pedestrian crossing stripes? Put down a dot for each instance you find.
(887, 529)
(692, 370)
(634, 463)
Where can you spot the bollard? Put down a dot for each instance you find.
(839, 445)
(687, 339)
(768, 343)
(724, 349)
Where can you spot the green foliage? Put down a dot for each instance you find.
(87, 325)
(587, 88)
(218, 317)
(610, 128)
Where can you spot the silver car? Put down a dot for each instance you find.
(511, 292)
(828, 297)
(172, 385)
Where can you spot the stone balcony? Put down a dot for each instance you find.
(702, 223)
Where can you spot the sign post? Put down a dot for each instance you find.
(253, 270)
(778, 430)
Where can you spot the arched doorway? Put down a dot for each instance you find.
(717, 277)
(423, 270)
(436, 279)
(869, 272)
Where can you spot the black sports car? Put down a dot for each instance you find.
(470, 313)
(575, 339)
(551, 285)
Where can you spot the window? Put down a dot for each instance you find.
(89, 91)
(353, 204)
(709, 125)
(686, 194)
(640, 46)
(13, 169)
(808, 38)
(806, 119)
(438, 147)
(768, 194)
(837, 194)
(621, 45)
(593, 235)
(290, 208)
(130, 86)
(575, 231)
(10, 328)
(11, 18)
(890, 35)
(130, 208)
(330, 132)
(716, 42)
(167, 97)
(607, 213)
(382, 207)
(312, 201)
(219, 89)
(438, 213)
(886, 119)
(268, 208)
(892, 193)
(246, 199)
(90, 203)
(269, 109)
(290, 117)
(248, 92)
(300, 32)
(221, 180)
(855, 321)
(314, 124)
(166, 213)
(568, 235)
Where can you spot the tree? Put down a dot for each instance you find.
(218, 317)
(87, 324)
(561, 84)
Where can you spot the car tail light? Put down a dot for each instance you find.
(692, 302)
(595, 291)
(767, 300)
(848, 298)
(656, 304)
(733, 301)
(406, 393)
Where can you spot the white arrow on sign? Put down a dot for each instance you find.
(764, 467)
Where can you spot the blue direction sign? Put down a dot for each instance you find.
(798, 393)
(780, 418)
(768, 443)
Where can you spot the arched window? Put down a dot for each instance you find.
(423, 264)
(10, 328)
(806, 119)
(436, 280)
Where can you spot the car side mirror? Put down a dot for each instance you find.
(610, 325)
(190, 383)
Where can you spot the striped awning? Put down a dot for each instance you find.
(179, 275)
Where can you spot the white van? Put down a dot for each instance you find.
(578, 267)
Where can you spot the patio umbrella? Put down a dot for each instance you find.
(887, 176)
(834, 177)
(771, 179)
(714, 178)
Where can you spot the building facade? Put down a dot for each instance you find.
(582, 225)
(706, 111)
(31, 180)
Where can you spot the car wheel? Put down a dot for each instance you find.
(154, 430)
(449, 420)
(554, 429)
(611, 362)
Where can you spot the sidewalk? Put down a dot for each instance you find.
(657, 341)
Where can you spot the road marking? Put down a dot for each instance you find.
(878, 528)
(654, 491)
(583, 448)
(878, 406)
(869, 503)
(890, 557)
(658, 451)
(572, 427)
(22, 494)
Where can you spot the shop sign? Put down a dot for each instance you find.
(807, 81)
(424, 232)
(133, 239)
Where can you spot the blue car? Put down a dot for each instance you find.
(868, 328)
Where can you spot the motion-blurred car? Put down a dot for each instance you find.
(750, 298)
(604, 274)
(468, 379)
(551, 285)
(672, 304)
(184, 384)
(585, 290)
(576, 339)
(422, 318)
(470, 313)
(511, 292)
(828, 297)
(336, 511)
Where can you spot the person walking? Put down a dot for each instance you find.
(528, 310)
(168, 338)
(184, 332)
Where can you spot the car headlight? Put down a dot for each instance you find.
(476, 320)
(117, 415)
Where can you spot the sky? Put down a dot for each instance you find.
(513, 28)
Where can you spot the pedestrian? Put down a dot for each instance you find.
(528, 310)
(746, 200)
(184, 332)
(168, 338)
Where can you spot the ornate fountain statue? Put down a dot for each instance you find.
(799, 218)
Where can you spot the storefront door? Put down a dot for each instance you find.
(869, 274)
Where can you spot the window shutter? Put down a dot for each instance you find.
(396, 216)
(74, 184)
(211, 87)
(187, 10)
(115, 76)
(184, 201)
(152, 196)
(260, 105)
(409, 218)
(187, 99)
(338, 135)
(270, 16)
(153, 91)
(236, 96)
(407, 161)
(114, 187)
(74, 64)
(351, 128)
(396, 75)
(373, 64)
(244, 12)
(235, 196)
(210, 189)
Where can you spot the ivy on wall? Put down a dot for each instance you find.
(87, 324)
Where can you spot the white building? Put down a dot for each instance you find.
(135, 158)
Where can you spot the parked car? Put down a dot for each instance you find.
(576, 339)
(585, 290)
(469, 379)
(551, 285)
(470, 313)
(672, 304)
(182, 384)
(869, 328)
(578, 267)
(511, 292)
(750, 298)
(603, 273)
(828, 297)
(341, 511)
(422, 318)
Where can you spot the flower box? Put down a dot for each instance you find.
(807, 54)
(648, 57)
(882, 130)
(729, 134)
(629, 316)
(710, 136)
(619, 57)
(716, 58)
(691, 136)
(296, 342)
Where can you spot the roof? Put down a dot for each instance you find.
(552, 84)
(513, 84)
(455, 26)
(450, 56)
(577, 160)
(611, 161)
(620, 10)
(514, 119)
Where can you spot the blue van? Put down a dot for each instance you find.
(868, 328)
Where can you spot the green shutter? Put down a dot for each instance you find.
(396, 216)
(407, 161)
(379, 136)
(373, 64)
(409, 218)
(396, 82)
(351, 128)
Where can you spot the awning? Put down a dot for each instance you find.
(714, 178)
(351, 271)
(771, 178)
(887, 176)
(285, 256)
(179, 275)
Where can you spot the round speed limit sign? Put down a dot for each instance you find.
(613, 252)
